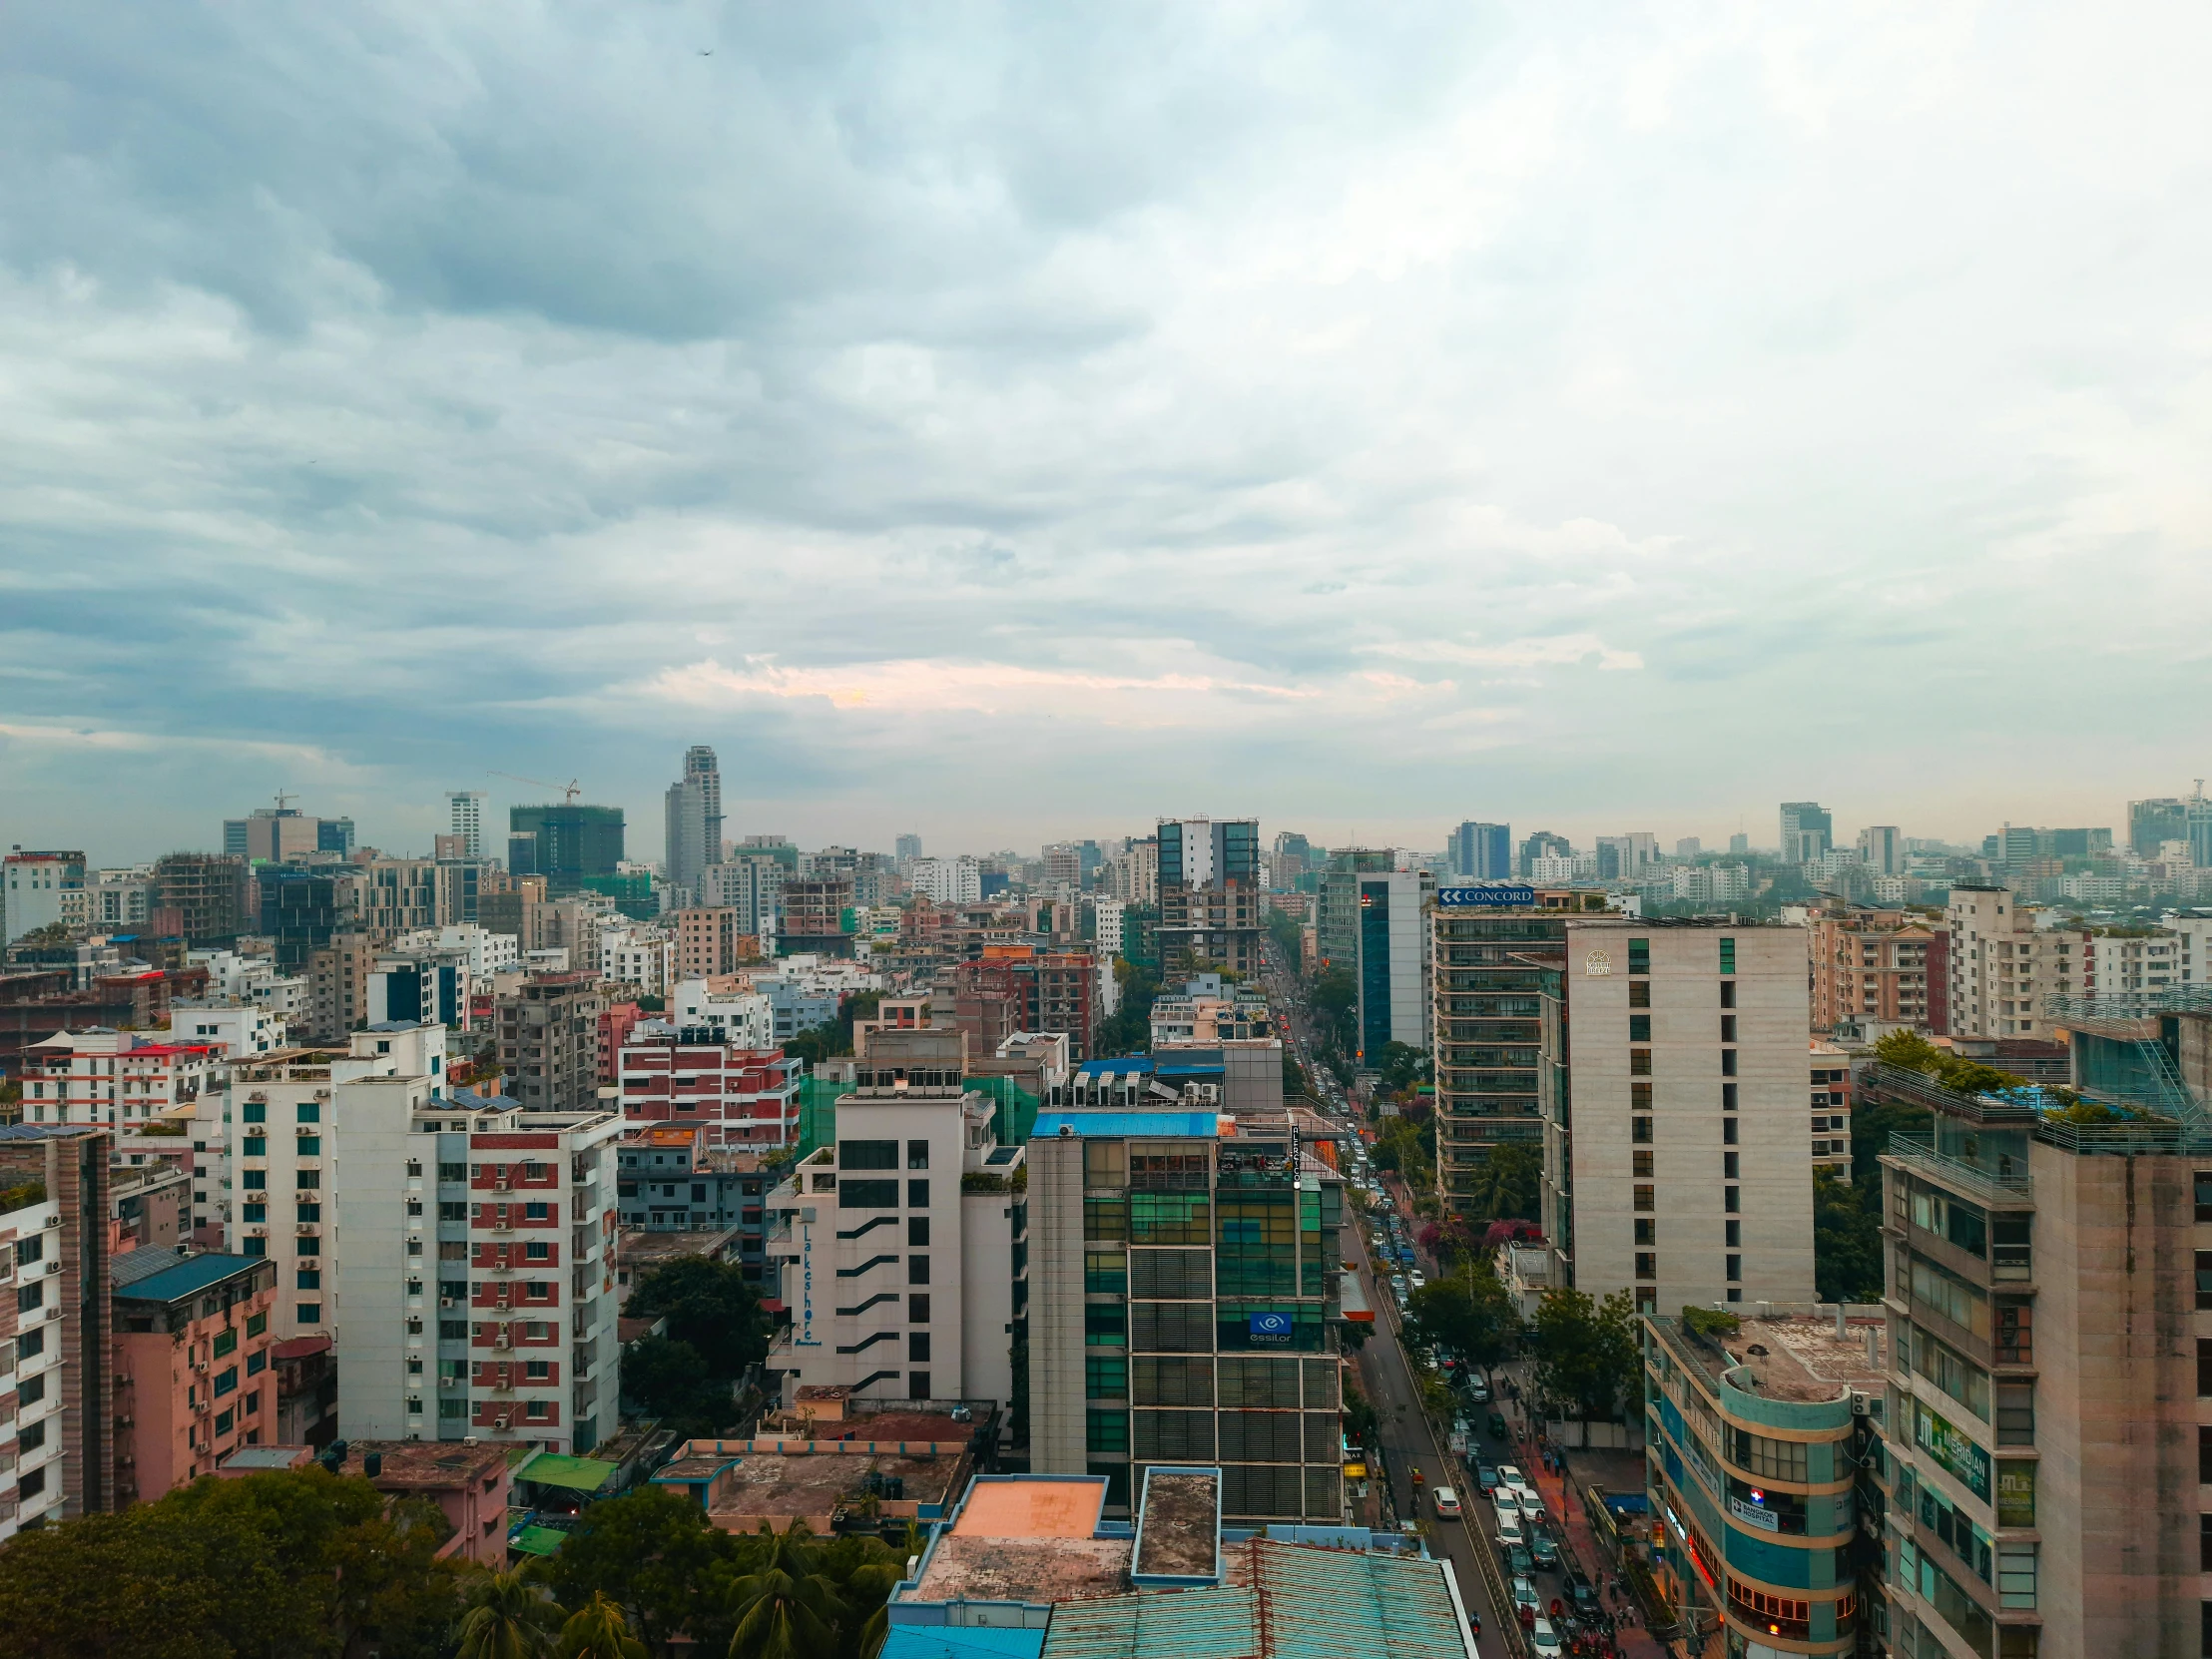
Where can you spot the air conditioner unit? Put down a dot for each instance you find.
(500, 1187)
(125, 1422)
(53, 1266)
(445, 1301)
(501, 1423)
(1862, 1405)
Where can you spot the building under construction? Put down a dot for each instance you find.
(206, 891)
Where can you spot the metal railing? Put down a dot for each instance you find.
(1996, 1186)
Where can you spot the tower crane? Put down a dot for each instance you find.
(569, 790)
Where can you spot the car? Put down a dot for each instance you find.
(1532, 1504)
(1543, 1640)
(1478, 1391)
(1419, 1278)
(1581, 1594)
(1510, 1530)
(1398, 1283)
(1509, 1478)
(1524, 1596)
(1545, 1551)
(1497, 1425)
(1486, 1477)
(1520, 1560)
(1448, 1503)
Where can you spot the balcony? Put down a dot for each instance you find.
(2006, 1186)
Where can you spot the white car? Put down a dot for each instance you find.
(1420, 1278)
(1532, 1504)
(1509, 1479)
(1524, 1596)
(1543, 1640)
(1510, 1530)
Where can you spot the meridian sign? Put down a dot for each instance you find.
(1488, 894)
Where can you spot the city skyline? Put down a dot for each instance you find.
(1381, 418)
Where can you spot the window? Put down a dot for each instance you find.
(31, 1389)
(1106, 1431)
(30, 1345)
(253, 1179)
(537, 1250)
(452, 1172)
(537, 1212)
(1639, 995)
(1106, 1273)
(868, 1195)
(918, 1154)
(31, 1437)
(449, 1210)
(868, 1154)
(257, 1361)
(1639, 1027)
(1642, 1162)
(1639, 1062)
(309, 1313)
(1728, 956)
(1728, 1097)
(31, 1296)
(311, 1278)
(1645, 1199)
(1728, 1131)
(256, 1324)
(1639, 1129)
(307, 1178)
(2204, 1279)
(310, 1111)
(1732, 1166)
(225, 1382)
(1647, 1264)
(30, 1249)
(918, 1231)
(1727, 1062)
(225, 1342)
(1733, 1234)
(918, 1195)
(1647, 1232)
(1727, 1029)
(917, 1270)
(1735, 1265)
(309, 1146)
(1732, 1199)
(1728, 994)
(1639, 955)
(254, 1212)
(307, 1212)
(254, 1111)
(1639, 1097)
(917, 1385)
(1757, 1454)
(918, 1308)
(537, 1371)
(1106, 1218)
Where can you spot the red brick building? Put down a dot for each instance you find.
(743, 1097)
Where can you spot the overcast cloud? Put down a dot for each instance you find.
(1016, 421)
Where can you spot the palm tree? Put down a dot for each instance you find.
(509, 1617)
(785, 1607)
(599, 1631)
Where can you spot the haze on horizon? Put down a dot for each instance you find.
(1009, 424)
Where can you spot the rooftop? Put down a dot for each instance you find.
(1021, 1538)
(429, 1464)
(1791, 1358)
(1180, 1536)
(781, 1484)
(181, 1276)
(635, 1248)
(1140, 1125)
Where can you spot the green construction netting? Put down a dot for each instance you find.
(817, 1113)
(1017, 1108)
(1015, 1115)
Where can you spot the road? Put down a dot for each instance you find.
(1388, 1381)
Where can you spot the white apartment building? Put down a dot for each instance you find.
(948, 880)
(749, 883)
(902, 1249)
(275, 1187)
(254, 980)
(119, 897)
(116, 1078)
(728, 1006)
(465, 818)
(474, 1264)
(239, 1029)
(2005, 958)
(1109, 912)
(1681, 1172)
(31, 1353)
(638, 955)
(38, 889)
(485, 951)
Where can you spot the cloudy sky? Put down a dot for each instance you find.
(1011, 423)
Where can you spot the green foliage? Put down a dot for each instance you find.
(1402, 1066)
(1129, 1031)
(1468, 1313)
(1847, 1238)
(1507, 1183)
(1410, 1147)
(668, 1380)
(508, 1616)
(1361, 1421)
(1709, 1322)
(650, 1551)
(22, 1195)
(1586, 1351)
(294, 1563)
(2087, 1112)
(1285, 931)
(599, 1630)
(708, 1306)
(1915, 1052)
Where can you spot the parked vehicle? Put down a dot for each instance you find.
(1546, 1552)
(1448, 1503)
(1520, 1560)
(1524, 1596)
(1509, 1478)
(1497, 1425)
(1486, 1477)
(1478, 1391)
(1510, 1530)
(1543, 1640)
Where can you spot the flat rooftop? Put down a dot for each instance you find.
(813, 1482)
(1796, 1358)
(1180, 1533)
(1031, 1509)
(635, 1246)
(429, 1465)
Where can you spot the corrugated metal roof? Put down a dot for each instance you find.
(187, 1276)
(1166, 1125)
(1303, 1603)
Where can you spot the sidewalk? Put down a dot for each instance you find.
(1581, 1540)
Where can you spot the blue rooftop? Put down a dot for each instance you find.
(1166, 1125)
(191, 1276)
(951, 1641)
(1117, 1067)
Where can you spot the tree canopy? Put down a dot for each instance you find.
(1506, 1183)
(1468, 1313)
(1587, 1353)
(711, 1306)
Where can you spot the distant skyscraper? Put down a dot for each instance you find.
(564, 844)
(695, 819)
(1882, 848)
(2150, 824)
(465, 809)
(909, 847)
(1481, 852)
(1209, 893)
(1542, 844)
(1740, 841)
(1689, 846)
(1808, 831)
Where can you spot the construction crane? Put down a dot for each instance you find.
(570, 789)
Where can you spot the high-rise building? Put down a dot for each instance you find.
(1481, 851)
(472, 1262)
(55, 1323)
(1880, 965)
(1542, 844)
(303, 908)
(1336, 902)
(814, 910)
(192, 1351)
(2050, 1372)
(907, 846)
(1739, 844)
(751, 884)
(1185, 1294)
(465, 818)
(1210, 894)
(914, 1218)
(564, 844)
(549, 1041)
(1688, 847)
(36, 889)
(1391, 961)
(1490, 952)
(1628, 857)
(207, 890)
(2153, 822)
(948, 880)
(1682, 1171)
(734, 1093)
(694, 819)
(1881, 849)
(1808, 831)
(710, 940)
